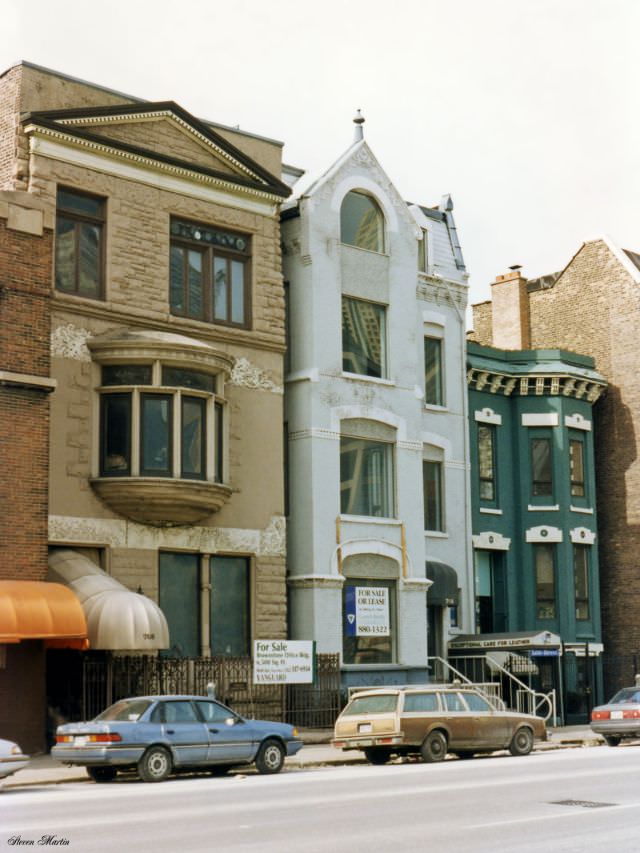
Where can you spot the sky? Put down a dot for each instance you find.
(525, 111)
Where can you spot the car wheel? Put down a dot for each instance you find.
(434, 748)
(464, 754)
(102, 774)
(220, 769)
(612, 740)
(155, 765)
(377, 756)
(270, 757)
(522, 742)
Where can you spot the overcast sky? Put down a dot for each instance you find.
(526, 111)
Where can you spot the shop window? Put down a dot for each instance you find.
(361, 222)
(209, 274)
(366, 477)
(433, 372)
(544, 562)
(79, 254)
(177, 419)
(363, 337)
(581, 581)
(368, 621)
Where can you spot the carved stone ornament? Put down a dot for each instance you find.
(248, 375)
(70, 341)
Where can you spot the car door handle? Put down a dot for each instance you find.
(214, 731)
(171, 731)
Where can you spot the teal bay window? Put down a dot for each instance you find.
(577, 468)
(220, 586)
(170, 428)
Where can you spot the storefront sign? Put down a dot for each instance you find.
(545, 653)
(283, 661)
(367, 611)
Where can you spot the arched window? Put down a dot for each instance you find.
(361, 222)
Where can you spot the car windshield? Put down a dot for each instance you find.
(125, 710)
(371, 704)
(628, 694)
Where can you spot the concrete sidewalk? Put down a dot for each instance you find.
(317, 752)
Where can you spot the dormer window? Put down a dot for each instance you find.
(362, 222)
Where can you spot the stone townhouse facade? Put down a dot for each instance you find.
(534, 520)
(166, 513)
(591, 307)
(378, 553)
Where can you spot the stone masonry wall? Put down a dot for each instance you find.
(594, 309)
(482, 324)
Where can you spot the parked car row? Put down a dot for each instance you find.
(157, 735)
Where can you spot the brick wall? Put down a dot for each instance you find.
(25, 275)
(9, 125)
(482, 324)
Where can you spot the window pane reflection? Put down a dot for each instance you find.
(193, 447)
(156, 435)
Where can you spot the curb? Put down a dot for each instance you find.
(328, 762)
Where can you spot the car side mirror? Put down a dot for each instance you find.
(231, 721)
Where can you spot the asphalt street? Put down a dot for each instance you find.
(558, 801)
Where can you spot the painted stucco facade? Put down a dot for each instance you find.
(332, 552)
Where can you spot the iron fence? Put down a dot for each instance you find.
(107, 678)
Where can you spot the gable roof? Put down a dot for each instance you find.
(242, 169)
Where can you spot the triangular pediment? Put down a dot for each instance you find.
(165, 133)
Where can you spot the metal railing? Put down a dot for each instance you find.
(488, 674)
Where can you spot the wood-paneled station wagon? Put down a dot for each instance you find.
(432, 721)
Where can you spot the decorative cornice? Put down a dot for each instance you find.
(539, 385)
(582, 536)
(490, 541)
(156, 114)
(28, 381)
(315, 581)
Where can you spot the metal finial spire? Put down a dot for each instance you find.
(358, 121)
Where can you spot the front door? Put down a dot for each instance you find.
(491, 592)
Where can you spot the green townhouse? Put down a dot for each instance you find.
(537, 605)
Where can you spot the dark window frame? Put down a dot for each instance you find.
(439, 519)
(377, 371)
(438, 397)
(104, 400)
(485, 479)
(582, 566)
(542, 490)
(214, 417)
(578, 486)
(155, 472)
(79, 219)
(545, 601)
(209, 253)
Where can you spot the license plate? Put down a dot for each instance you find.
(616, 715)
(80, 741)
(365, 743)
(365, 728)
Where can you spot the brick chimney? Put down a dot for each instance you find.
(510, 311)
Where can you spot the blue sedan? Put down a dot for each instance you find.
(157, 734)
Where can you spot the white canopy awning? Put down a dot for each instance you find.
(117, 619)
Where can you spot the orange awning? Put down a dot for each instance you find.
(37, 610)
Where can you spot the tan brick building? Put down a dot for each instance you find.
(591, 307)
(166, 345)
